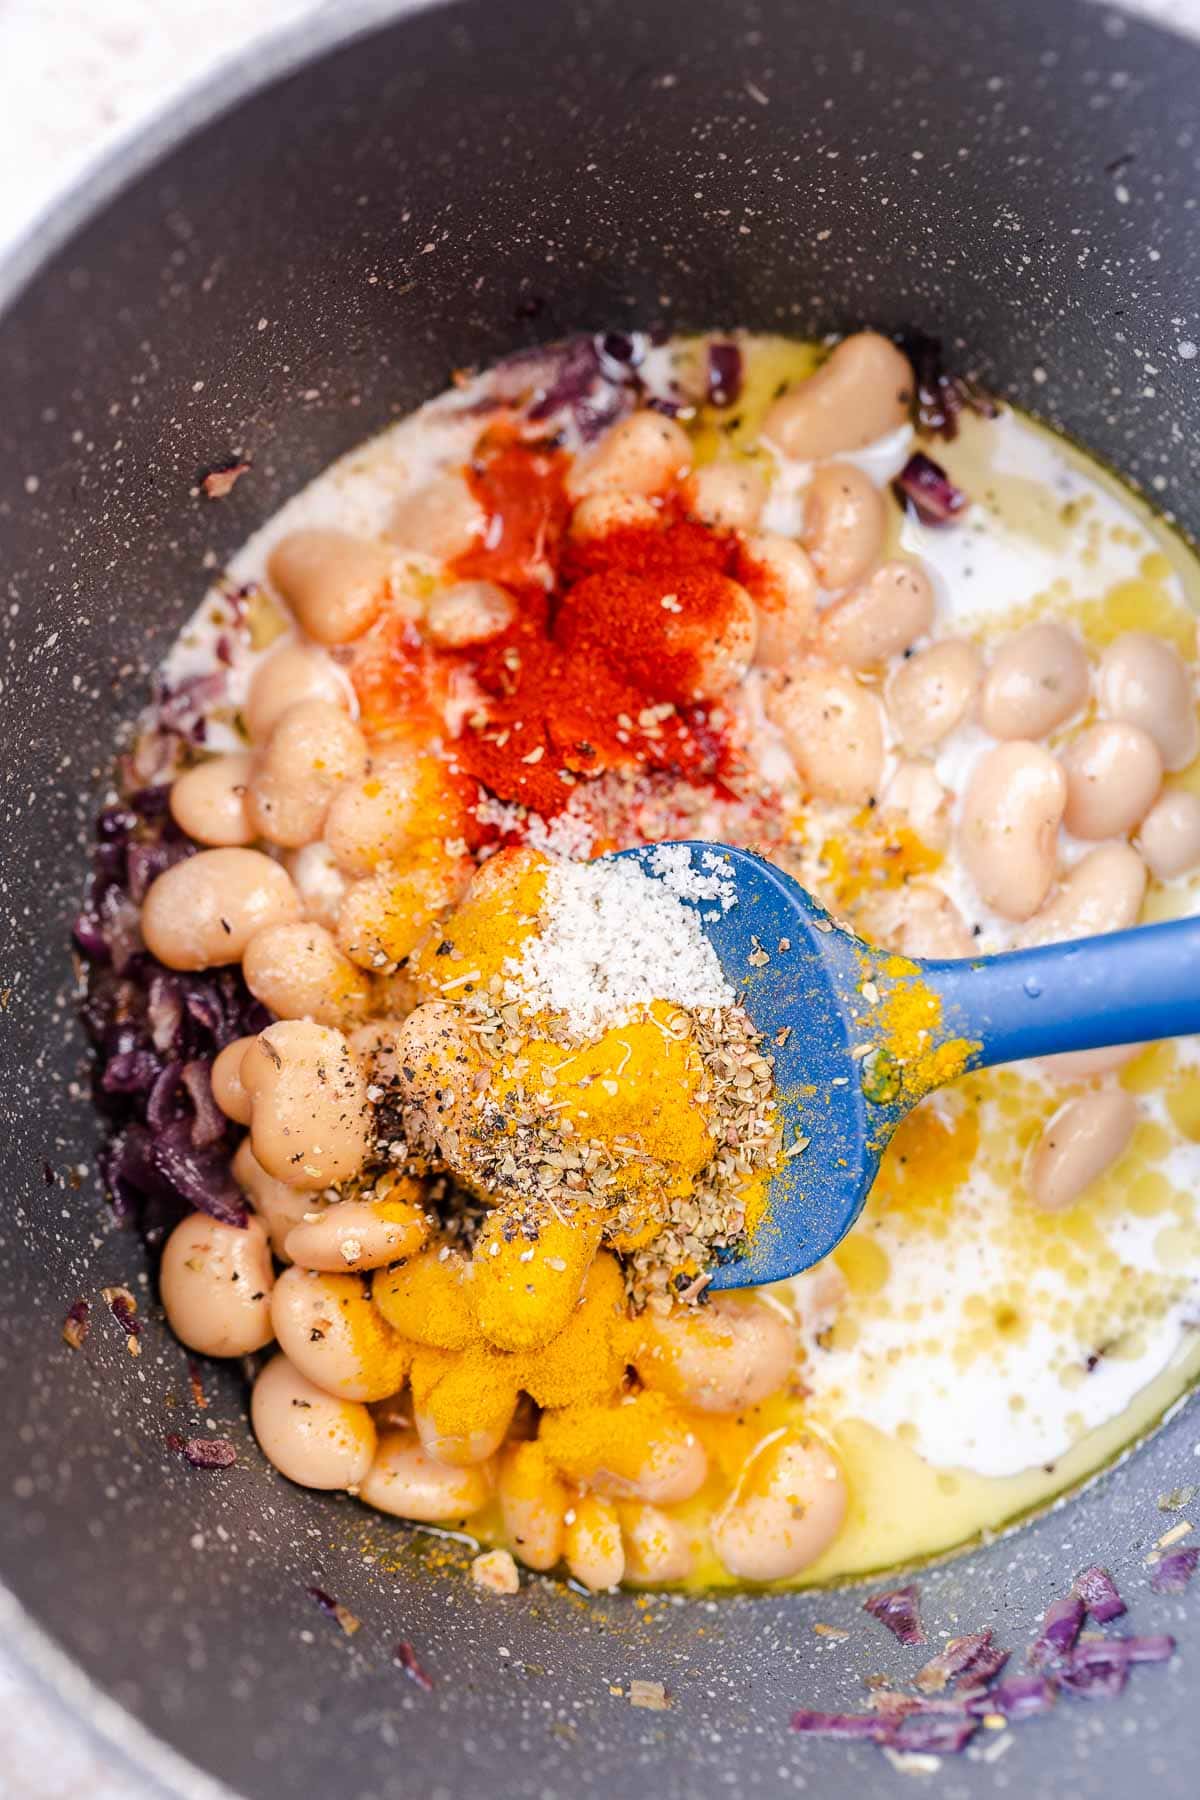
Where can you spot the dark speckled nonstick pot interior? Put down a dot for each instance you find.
(408, 195)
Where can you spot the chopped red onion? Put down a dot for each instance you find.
(924, 487)
(77, 1324)
(1061, 1625)
(957, 1657)
(406, 1656)
(724, 374)
(123, 1307)
(203, 1452)
(1095, 1670)
(1156, 1649)
(345, 1618)
(938, 1734)
(899, 1610)
(1020, 1697)
(1098, 1591)
(939, 397)
(982, 1668)
(1175, 1571)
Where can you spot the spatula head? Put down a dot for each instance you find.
(800, 978)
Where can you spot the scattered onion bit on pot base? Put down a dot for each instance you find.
(77, 1324)
(899, 1610)
(123, 1307)
(345, 1618)
(1064, 1661)
(202, 1452)
(406, 1658)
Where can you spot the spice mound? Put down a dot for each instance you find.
(579, 1062)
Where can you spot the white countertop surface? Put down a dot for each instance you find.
(83, 74)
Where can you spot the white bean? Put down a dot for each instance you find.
(202, 913)
(641, 454)
(298, 972)
(406, 1481)
(311, 1117)
(833, 728)
(328, 1329)
(226, 1078)
(470, 612)
(726, 495)
(376, 818)
(1085, 1065)
(1114, 773)
(845, 519)
(786, 1509)
(597, 514)
(916, 919)
(312, 750)
(932, 692)
(1037, 679)
(657, 1547)
(533, 1504)
(1008, 836)
(722, 655)
(592, 1545)
(1103, 892)
(209, 801)
(216, 1282)
(1082, 1140)
(915, 792)
(783, 585)
(280, 1206)
(336, 585)
(308, 1435)
(358, 1234)
(1143, 680)
(291, 673)
(722, 1357)
(880, 618)
(441, 520)
(860, 394)
(1170, 835)
(319, 882)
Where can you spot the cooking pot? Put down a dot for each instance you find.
(299, 254)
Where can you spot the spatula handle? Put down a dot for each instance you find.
(1122, 988)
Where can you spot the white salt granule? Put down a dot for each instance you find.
(674, 866)
(613, 940)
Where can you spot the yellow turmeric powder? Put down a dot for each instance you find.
(613, 1447)
(529, 1266)
(429, 1299)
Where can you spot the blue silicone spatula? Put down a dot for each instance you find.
(826, 1004)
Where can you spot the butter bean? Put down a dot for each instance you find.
(726, 495)
(318, 881)
(358, 1234)
(335, 584)
(723, 1357)
(533, 1505)
(657, 1547)
(917, 920)
(329, 1330)
(311, 751)
(861, 393)
(280, 1207)
(470, 612)
(298, 972)
(441, 520)
(932, 692)
(378, 816)
(833, 728)
(1103, 892)
(915, 793)
(209, 801)
(226, 1078)
(310, 1117)
(878, 619)
(293, 672)
(406, 1481)
(787, 1508)
(1143, 681)
(1008, 836)
(597, 514)
(1083, 1139)
(1114, 773)
(1036, 681)
(592, 1544)
(845, 519)
(312, 1438)
(1085, 1065)
(642, 454)
(783, 585)
(1170, 835)
(216, 1282)
(202, 913)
